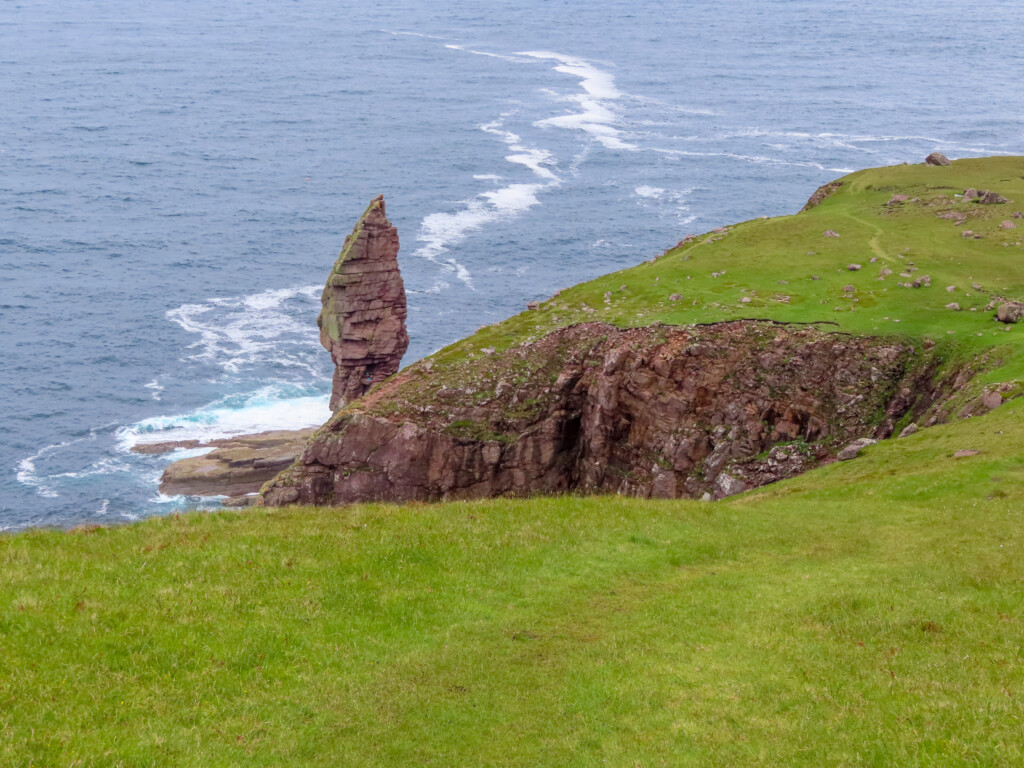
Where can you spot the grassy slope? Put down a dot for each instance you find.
(868, 613)
(756, 255)
(865, 614)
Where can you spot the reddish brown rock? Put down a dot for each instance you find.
(362, 323)
(821, 194)
(659, 411)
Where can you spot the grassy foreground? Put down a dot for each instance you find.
(869, 613)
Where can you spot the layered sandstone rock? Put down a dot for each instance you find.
(659, 411)
(362, 323)
(238, 466)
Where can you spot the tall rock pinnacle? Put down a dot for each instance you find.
(362, 323)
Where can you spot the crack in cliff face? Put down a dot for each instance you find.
(653, 412)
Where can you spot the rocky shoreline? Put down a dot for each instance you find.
(237, 467)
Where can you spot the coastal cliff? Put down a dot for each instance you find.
(741, 357)
(651, 412)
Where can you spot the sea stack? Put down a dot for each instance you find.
(362, 323)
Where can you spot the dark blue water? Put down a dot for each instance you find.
(176, 178)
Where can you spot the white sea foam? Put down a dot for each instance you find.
(671, 202)
(503, 57)
(28, 474)
(155, 389)
(596, 116)
(442, 231)
(651, 192)
(105, 466)
(278, 406)
(272, 327)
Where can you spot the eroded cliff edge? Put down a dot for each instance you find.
(657, 412)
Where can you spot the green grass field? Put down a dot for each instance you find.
(868, 613)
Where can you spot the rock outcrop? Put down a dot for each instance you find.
(937, 158)
(362, 323)
(238, 466)
(654, 412)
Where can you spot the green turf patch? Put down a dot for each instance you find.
(868, 613)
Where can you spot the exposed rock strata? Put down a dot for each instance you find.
(653, 412)
(820, 194)
(362, 323)
(241, 465)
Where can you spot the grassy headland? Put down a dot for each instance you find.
(866, 613)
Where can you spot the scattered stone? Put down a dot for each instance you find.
(720, 230)
(1007, 225)
(897, 199)
(971, 194)
(707, 497)
(853, 449)
(991, 400)
(950, 288)
(533, 305)
(909, 430)
(1017, 214)
(1010, 312)
(853, 267)
(967, 233)
(488, 351)
(924, 281)
(953, 306)
(815, 277)
(362, 322)
(745, 300)
(885, 272)
(830, 233)
(727, 485)
(849, 288)
(964, 453)
(675, 297)
(937, 158)
(976, 287)
(992, 198)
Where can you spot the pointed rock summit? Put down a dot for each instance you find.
(362, 323)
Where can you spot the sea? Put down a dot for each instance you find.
(177, 178)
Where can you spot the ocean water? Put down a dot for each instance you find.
(176, 178)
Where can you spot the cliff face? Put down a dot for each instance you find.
(362, 323)
(660, 411)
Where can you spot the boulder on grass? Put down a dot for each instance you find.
(853, 449)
